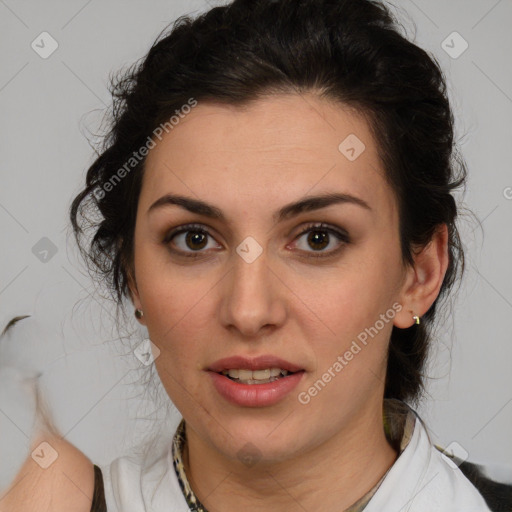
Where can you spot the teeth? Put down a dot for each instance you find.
(244, 374)
(261, 374)
(250, 376)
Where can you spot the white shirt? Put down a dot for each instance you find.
(420, 480)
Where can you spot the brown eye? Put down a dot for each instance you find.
(189, 239)
(196, 240)
(318, 239)
(320, 236)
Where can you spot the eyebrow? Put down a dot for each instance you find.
(306, 204)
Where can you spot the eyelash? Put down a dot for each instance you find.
(198, 228)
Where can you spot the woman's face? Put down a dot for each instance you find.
(256, 285)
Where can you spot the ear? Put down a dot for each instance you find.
(424, 279)
(131, 282)
(134, 294)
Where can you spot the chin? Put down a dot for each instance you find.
(265, 440)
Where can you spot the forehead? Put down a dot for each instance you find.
(281, 146)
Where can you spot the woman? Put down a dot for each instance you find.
(276, 201)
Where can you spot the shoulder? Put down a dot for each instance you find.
(497, 494)
(55, 476)
(444, 483)
(134, 481)
(422, 480)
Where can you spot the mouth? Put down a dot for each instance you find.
(244, 376)
(259, 370)
(262, 381)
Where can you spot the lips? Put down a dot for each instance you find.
(257, 363)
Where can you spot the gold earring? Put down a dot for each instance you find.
(139, 313)
(416, 319)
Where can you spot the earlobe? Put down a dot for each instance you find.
(424, 279)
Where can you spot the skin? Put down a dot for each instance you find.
(67, 485)
(249, 162)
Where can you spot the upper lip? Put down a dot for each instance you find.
(255, 363)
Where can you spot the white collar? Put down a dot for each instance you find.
(420, 480)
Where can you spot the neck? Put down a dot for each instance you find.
(333, 475)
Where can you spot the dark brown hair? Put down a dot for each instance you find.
(350, 52)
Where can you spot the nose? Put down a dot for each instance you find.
(253, 297)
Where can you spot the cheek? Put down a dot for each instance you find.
(351, 351)
(353, 318)
(176, 313)
(177, 320)
(345, 327)
(171, 293)
(350, 297)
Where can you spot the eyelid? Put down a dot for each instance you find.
(322, 226)
(187, 227)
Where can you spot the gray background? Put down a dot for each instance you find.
(50, 107)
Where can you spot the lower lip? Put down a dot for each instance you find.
(255, 395)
